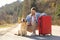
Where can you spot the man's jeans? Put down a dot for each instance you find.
(32, 27)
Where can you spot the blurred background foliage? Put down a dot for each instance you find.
(11, 12)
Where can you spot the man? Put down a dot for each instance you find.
(32, 20)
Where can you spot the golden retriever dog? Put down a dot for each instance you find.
(23, 29)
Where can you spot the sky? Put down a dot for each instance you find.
(4, 2)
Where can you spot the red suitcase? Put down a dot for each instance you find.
(44, 25)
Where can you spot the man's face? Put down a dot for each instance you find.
(33, 12)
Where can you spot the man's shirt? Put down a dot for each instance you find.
(30, 18)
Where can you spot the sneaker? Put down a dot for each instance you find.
(33, 34)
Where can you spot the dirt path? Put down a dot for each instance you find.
(10, 35)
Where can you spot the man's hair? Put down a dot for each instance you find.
(33, 8)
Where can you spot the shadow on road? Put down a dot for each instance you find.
(44, 37)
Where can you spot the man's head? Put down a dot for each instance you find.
(33, 10)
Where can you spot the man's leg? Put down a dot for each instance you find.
(34, 26)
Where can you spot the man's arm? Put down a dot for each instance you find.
(43, 14)
(28, 20)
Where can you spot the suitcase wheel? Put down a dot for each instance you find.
(44, 34)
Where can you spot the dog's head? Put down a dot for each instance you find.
(23, 20)
(23, 23)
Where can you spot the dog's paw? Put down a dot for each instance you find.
(19, 34)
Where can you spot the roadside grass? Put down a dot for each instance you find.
(6, 25)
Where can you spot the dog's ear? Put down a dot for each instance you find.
(22, 19)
